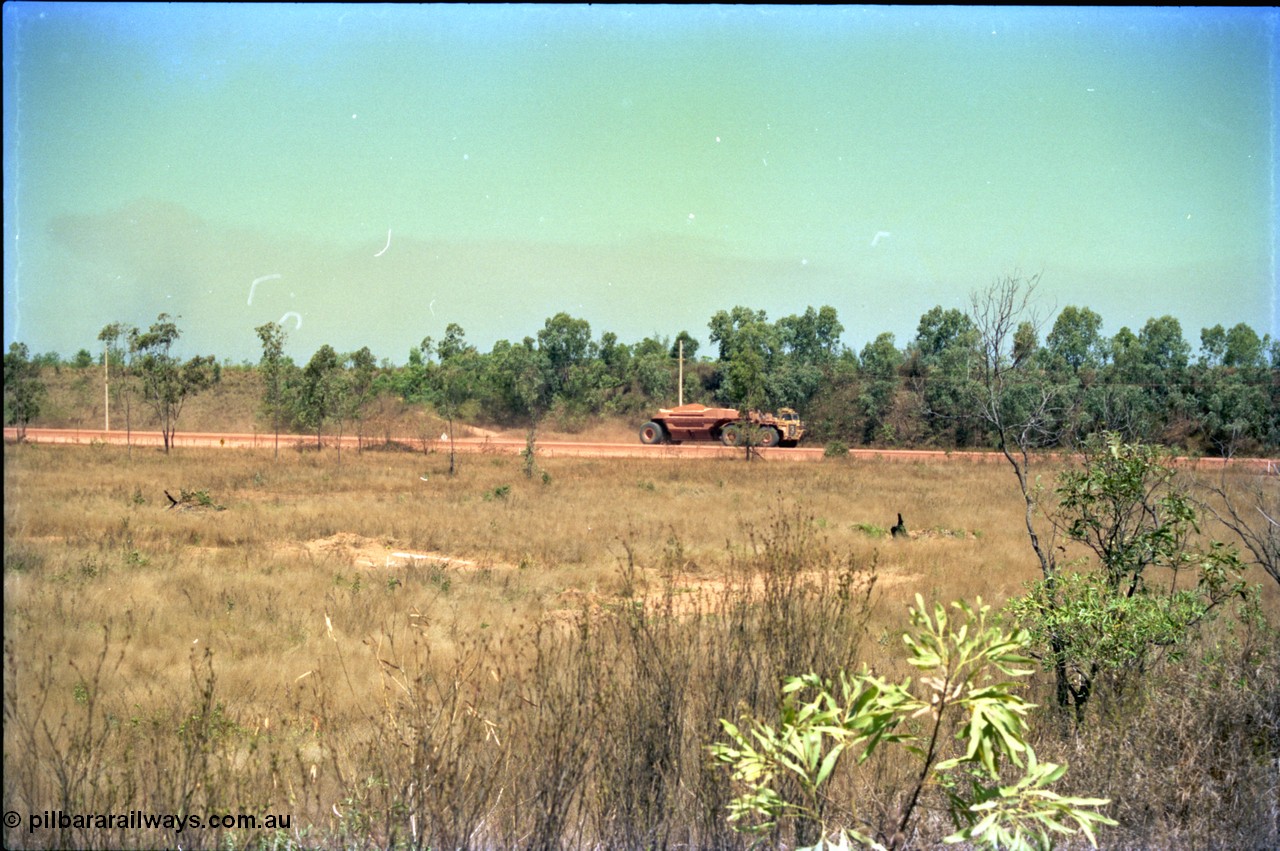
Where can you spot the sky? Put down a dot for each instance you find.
(367, 174)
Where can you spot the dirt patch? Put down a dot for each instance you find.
(934, 534)
(359, 551)
(689, 596)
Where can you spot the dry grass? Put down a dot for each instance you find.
(277, 657)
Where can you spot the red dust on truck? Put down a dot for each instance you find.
(727, 425)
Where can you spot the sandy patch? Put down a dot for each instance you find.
(359, 551)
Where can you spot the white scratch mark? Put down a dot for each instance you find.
(295, 315)
(432, 307)
(385, 247)
(257, 281)
(880, 234)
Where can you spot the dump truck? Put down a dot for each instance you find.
(727, 425)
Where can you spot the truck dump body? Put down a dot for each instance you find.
(695, 422)
(730, 426)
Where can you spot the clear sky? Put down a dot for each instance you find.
(367, 174)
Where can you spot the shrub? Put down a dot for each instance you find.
(823, 721)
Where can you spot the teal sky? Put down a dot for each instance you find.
(381, 171)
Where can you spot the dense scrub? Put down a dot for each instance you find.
(1145, 386)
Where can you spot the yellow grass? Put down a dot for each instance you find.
(313, 621)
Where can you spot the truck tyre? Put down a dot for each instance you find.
(769, 436)
(731, 436)
(651, 433)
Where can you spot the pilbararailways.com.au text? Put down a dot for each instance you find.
(140, 820)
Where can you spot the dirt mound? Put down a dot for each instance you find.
(359, 551)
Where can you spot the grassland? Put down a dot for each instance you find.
(397, 657)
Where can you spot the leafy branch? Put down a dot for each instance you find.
(966, 684)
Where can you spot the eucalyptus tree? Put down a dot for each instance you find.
(878, 367)
(166, 383)
(455, 381)
(1076, 339)
(360, 374)
(945, 360)
(23, 389)
(748, 345)
(320, 391)
(273, 367)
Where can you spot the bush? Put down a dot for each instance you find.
(836, 449)
(784, 771)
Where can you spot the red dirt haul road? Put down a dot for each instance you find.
(561, 449)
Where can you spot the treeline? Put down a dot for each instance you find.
(1147, 386)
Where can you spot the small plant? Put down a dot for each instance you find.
(134, 558)
(500, 492)
(193, 500)
(824, 721)
(871, 529)
(529, 453)
(836, 449)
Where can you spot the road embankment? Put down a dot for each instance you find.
(560, 448)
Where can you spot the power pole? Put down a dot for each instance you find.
(680, 384)
(106, 388)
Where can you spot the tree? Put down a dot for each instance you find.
(565, 344)
(1231, 407)
(272, 367)
(946, 355)
(690, 346)
(651, 371)
(1244, 347)
(454, 343)
(879, 364)
(23, 389)
(748, 345)
(166, 382)
(1020, 410)
(1251, 510)
(454, 386)
(1017, 405)
(361, 389)
(1121, 402)
(813, 338)
(1076, 339)
(320, 393)
(1213, 345)
(1164, 351)
(1124, 505)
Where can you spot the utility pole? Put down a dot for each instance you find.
(680, 382)
(106, 388)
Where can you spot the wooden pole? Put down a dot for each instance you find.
(680, 387)
(106, 388)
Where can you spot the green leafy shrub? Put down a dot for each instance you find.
(785, 771)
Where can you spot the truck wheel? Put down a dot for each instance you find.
(769, 436)
(731, 436)
(651, 433)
